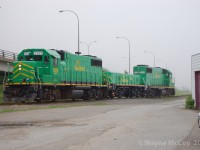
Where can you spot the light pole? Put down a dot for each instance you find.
(61, 11)
(88, 45)
(131, 59)
(152, 54)
(129, 46)
(164, 62)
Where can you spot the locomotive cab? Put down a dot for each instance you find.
(33, 64)
(29, 71)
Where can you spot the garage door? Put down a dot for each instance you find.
(197, 88)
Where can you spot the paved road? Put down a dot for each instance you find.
(161, 125)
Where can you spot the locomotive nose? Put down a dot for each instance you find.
(23, 72)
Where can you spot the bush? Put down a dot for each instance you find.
(189, 103)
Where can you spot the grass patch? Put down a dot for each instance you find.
(18, 108)
(8, 110)
(189, 103)
(51, 107)
(95, 103)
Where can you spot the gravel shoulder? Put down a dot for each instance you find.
(7, 108)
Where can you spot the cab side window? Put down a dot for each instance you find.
(46, 59)
(29, 58)
(21, 58)
(37, 58)
(55, 61)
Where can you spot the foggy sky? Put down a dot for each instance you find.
(168, 28)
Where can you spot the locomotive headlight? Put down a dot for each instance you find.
(20, 66)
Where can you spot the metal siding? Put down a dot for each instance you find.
(195, 66)
(197, 88)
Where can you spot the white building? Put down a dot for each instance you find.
(195, 74)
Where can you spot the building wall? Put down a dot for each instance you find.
(195, 66)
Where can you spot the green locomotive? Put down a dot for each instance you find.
(52, 74)
(127, 85)
(157, 81)
(145, 81)
(47, 74)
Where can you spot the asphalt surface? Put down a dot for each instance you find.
(148, 124)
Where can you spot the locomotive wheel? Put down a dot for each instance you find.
(119, 96)
(86, 96)
(53, 98)
(38, 100)
(131, 95)
(99, 95)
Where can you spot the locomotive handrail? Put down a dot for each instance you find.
(34, 75)
(38, 77)
(8, 55)
(4, 81)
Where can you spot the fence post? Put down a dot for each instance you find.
(14, 56)
(3, 53)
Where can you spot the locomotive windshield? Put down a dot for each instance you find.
(33, 56)
(29, 58)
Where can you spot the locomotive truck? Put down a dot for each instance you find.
(48, 74)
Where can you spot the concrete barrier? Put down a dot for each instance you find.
(5, 58)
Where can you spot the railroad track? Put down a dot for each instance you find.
(68, 101)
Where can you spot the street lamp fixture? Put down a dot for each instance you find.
(88, 45)
(61, 11)
(152, 54)
(129, 46)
